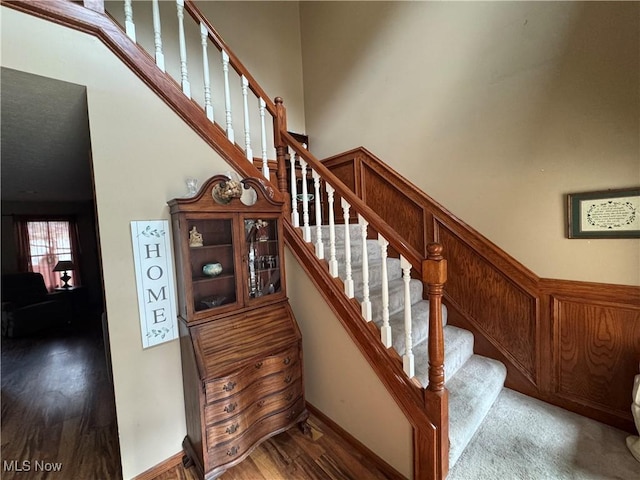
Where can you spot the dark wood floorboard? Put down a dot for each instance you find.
(58, 407)
(292, 455)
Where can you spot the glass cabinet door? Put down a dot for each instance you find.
(213, 276)
(263, 256)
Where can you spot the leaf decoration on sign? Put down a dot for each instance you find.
(147, 232)
(155, 333)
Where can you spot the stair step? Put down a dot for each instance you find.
(394, 272)
(354, 233)
(396, 297)
(458, 349)
(419, 325)
(472, 392)
(373, 253)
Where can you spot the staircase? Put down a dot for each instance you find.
(473, 381)
(444, 419)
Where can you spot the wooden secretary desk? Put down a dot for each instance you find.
(241, 347)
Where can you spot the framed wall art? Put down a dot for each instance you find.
(604, 214)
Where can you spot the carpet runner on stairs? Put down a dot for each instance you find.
(473, 382)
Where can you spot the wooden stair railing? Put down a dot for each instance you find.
(570, 343)
(431, 449)
(426, 409)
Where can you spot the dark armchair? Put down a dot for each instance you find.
(27, 306)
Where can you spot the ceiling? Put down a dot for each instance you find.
(44, 142)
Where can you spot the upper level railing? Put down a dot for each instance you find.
(227, 95)
(219, 101)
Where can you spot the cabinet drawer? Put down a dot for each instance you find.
(223, 425)
(229, 451)
(246, 377)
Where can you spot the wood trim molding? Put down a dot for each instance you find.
(76, 16)
(358, 446)
(161, 468)
(408, 394)
(542, 329)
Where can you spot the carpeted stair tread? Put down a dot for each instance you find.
(458, 349)
(373, 253)
(473, 382)
(419, 325)
(354, 233)
(394, 271)
(472, 392)
(396, 297)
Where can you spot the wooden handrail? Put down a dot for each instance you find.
(539, 328)
(377, 223)
(430, 437)
(234, 61)
(100, 25)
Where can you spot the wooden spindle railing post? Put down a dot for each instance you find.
(434, 274)
(279, 126)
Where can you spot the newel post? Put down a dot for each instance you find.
(279, 126)
(434, 274)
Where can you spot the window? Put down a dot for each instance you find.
(43, 243)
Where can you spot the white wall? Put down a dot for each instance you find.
(495, 109)
(142, 153)
(340, 382)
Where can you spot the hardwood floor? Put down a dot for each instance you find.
(292, 455)
(58, 410)
(58, 423)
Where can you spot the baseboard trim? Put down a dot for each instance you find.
(161, 468)
(383, 466)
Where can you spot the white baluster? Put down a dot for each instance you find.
(263, 138)
(407, 358)
(227, 96)
(204, 39)
(366, 301)
(348, 283)
(247, 131)
(157, 35)
(316, 189)
(295, 216)
(306, 230)
(385, 332)
(186, 88)
(333, 262)
(129, 26)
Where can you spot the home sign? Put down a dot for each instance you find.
(155, 281)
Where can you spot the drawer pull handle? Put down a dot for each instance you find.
(291, 414)
(229, 386)
(287, 379)
(258, 365)
(233, 428)
(231, 407)
(232, 451)
(289, 397)
(261, 404)
(287, 360)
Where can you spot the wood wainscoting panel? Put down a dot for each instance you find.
(500, 309)
(346, 172)
(403, 214)
(597, 350)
